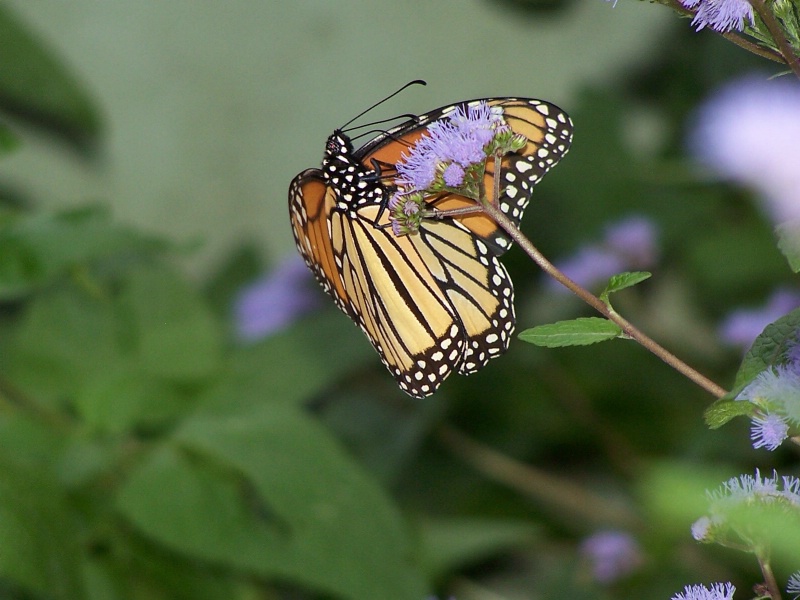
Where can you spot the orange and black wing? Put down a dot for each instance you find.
(549, 133)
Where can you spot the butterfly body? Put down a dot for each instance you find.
(439, 300)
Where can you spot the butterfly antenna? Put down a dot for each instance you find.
(407, 117)
(379, 102)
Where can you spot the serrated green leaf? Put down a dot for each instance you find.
(789, 243)
(283, 501)
(621, 281)
(35, 85)
(724, 409)
(576, 332)
(768, 349)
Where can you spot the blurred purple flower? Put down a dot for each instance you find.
(749, 132)
(742, 326)
(611, 555)
(275, 301)
(628, 245)
(717, 591)
(635, 238)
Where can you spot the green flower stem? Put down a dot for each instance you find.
(628, 329)
(769, 578)
(778, 37)
(568, 499)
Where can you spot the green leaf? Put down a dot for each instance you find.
(621, 281)
(65, 339)
(8, 141)
(124, 397)
(35, 85)
(768, 349)
(789, 243)
(175, 334)
(576, 332)
(41, 550)
(724, 409)
(282, 501)
(35, 249)
(452, 544)
(300, 362)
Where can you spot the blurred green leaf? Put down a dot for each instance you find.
(768, 349)
(37, 248)
(35, 85)
(65, 338)
(623, 280)
(284, 501)
(789, 244)
(576, 332)
(452, 544)
(300, 362)
(8, 141)
(175, 334)
(40, 545)
(125, 397)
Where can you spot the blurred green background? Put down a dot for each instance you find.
(209, 109)
(146, 453)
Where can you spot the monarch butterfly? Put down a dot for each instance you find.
(439, 300)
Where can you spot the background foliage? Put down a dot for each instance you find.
(145, 453)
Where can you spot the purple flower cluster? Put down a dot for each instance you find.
(717, 591)
(450, 155)
(458, 141)
(745, 491)
(776, 394)
(628, 244)
(720, 15)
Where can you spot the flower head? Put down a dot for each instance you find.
(793, 586)
(717, 591)
(748, 132)
(450, 155)
(776, 394)
(272, 303)
(720, 15)
(612, 555)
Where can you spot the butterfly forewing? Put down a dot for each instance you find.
(437, 301)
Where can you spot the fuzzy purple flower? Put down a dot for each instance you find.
(776, 390)
(749, 132)
(274, 302)
(612, 555)
(768, 431)
(453, 175)
(742, 326)
(628, 244)
(717, 591)
(459, 138)
(720, 15)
